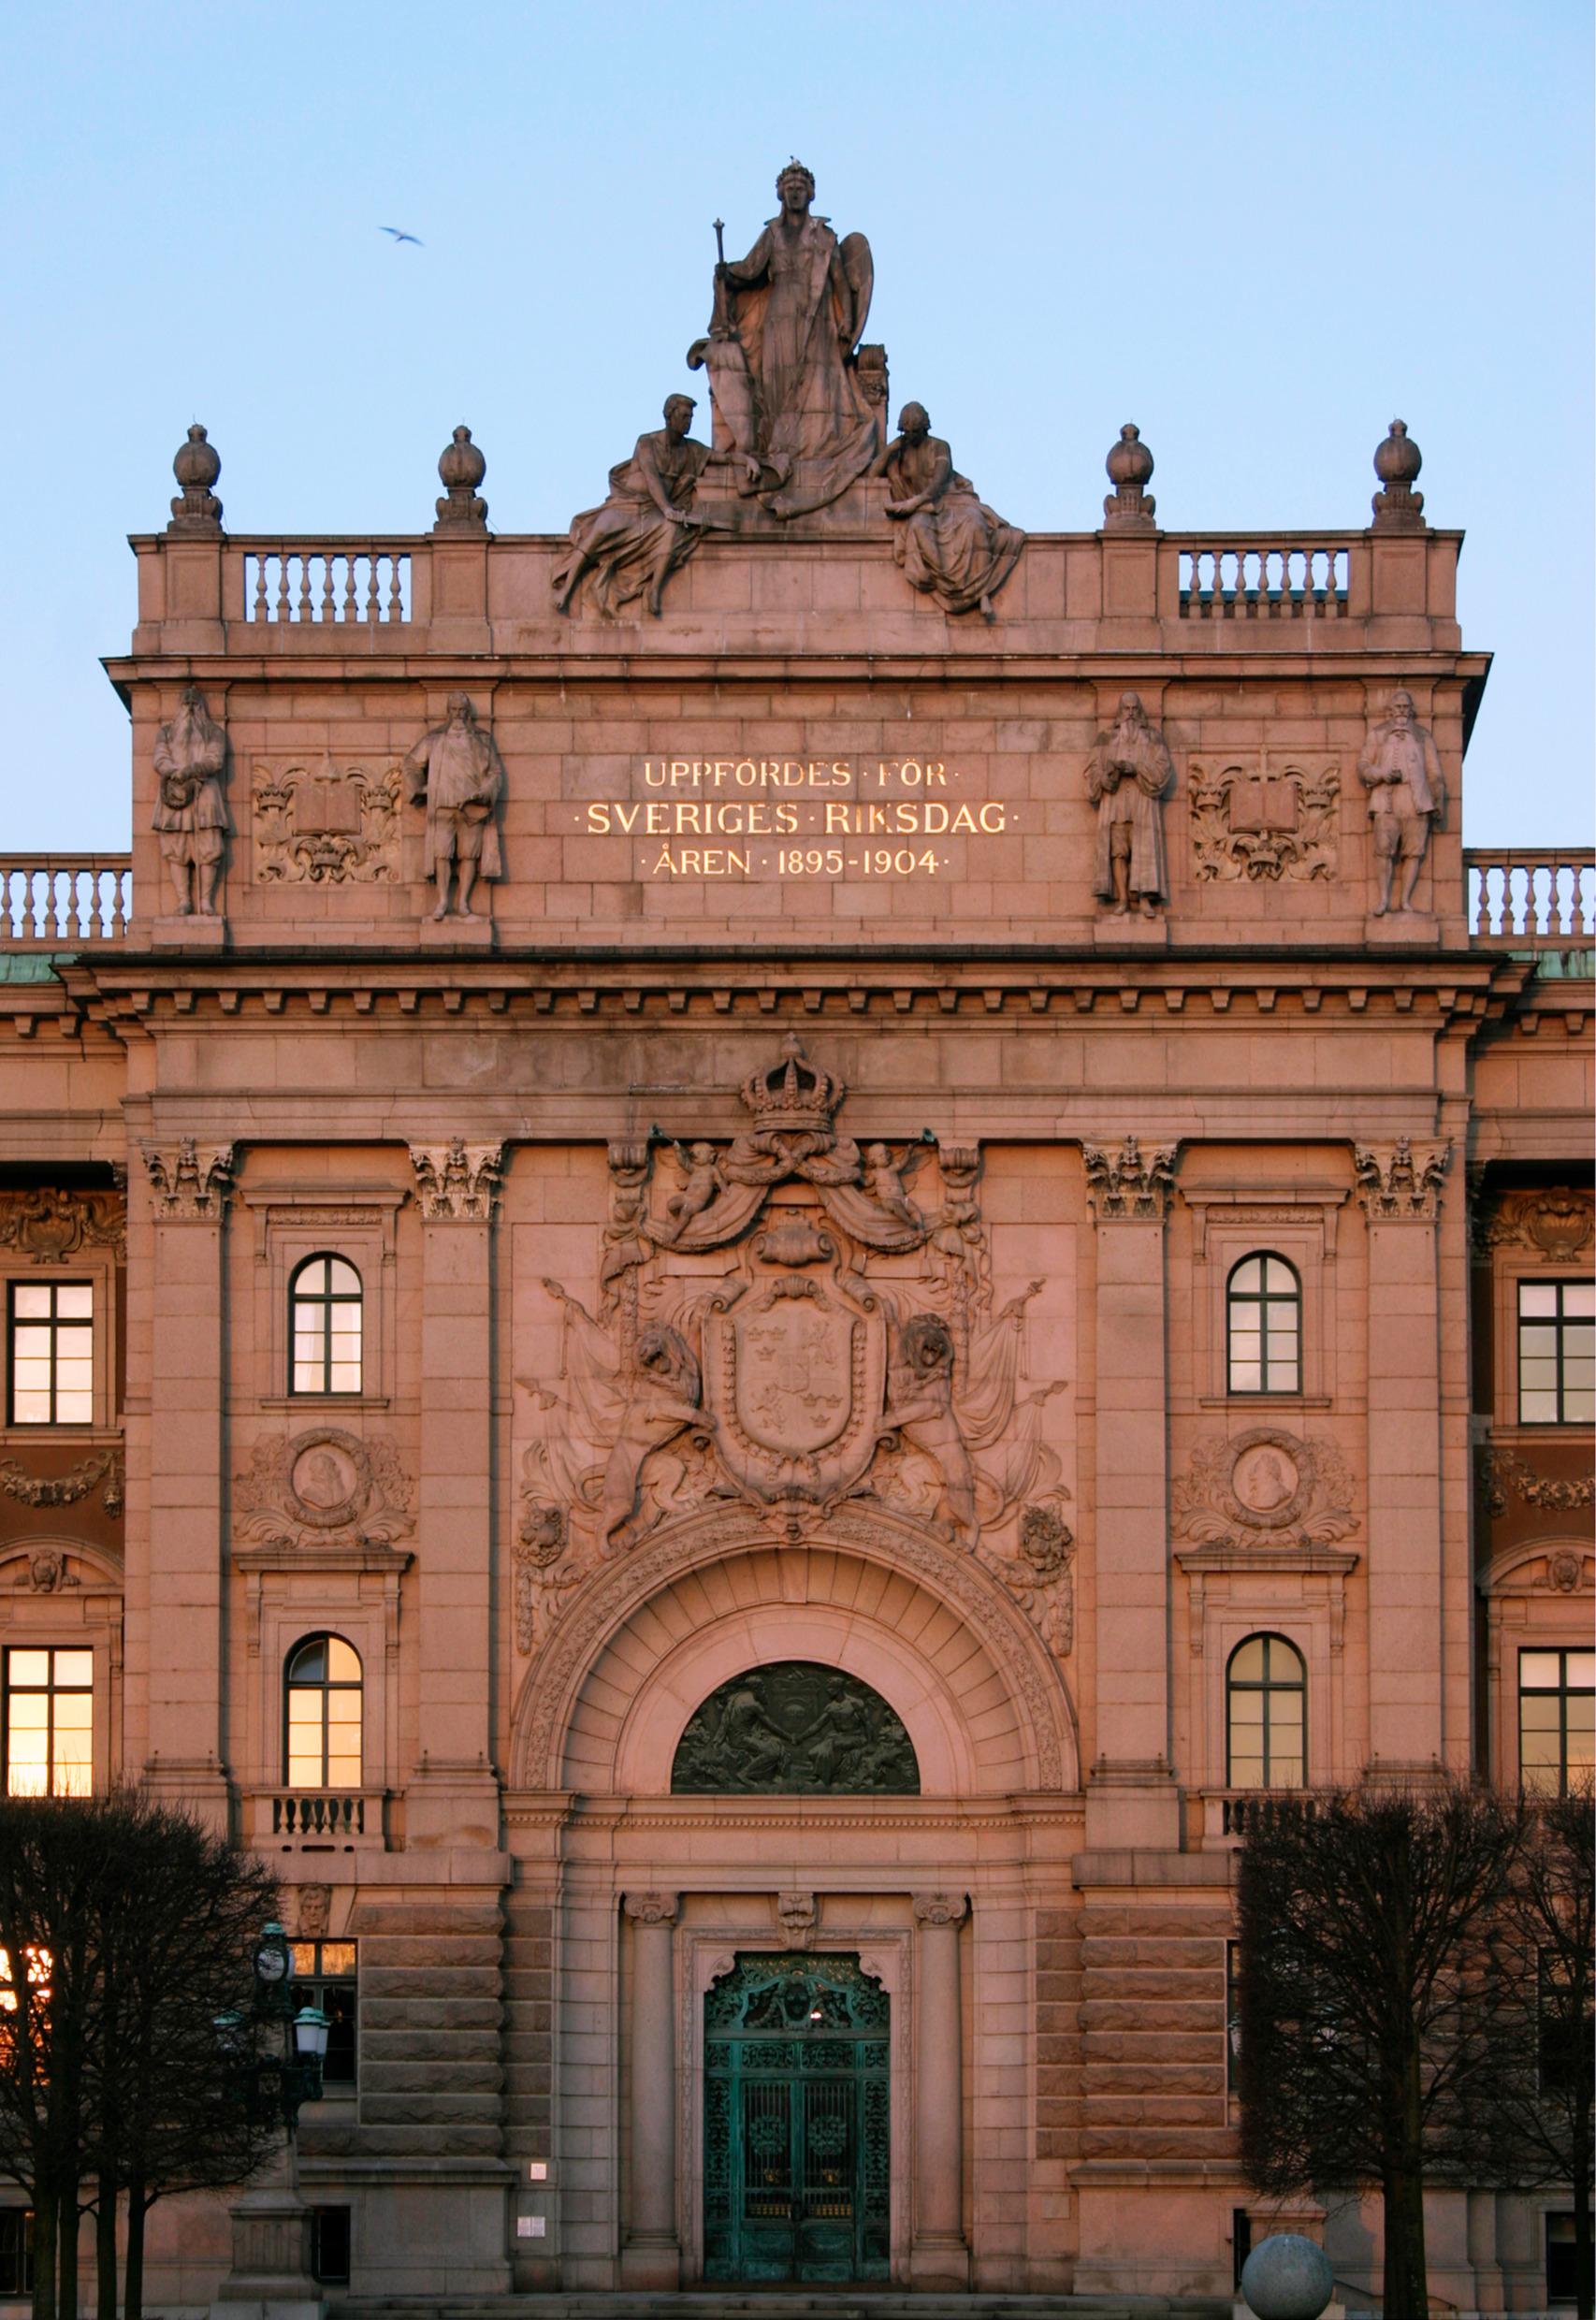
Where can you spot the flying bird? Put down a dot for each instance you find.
(398, 237)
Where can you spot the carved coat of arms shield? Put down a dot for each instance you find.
(795, 1377)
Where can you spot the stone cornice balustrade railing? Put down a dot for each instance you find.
(1531, 898)
(63, 901)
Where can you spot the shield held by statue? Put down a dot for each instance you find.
(796, 1377)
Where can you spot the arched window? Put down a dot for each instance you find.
(1266, 1700)
(323, 1325)
(322, 1714)
(1263, 1328)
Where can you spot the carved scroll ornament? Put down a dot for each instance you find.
(49, 1224)
(1559, 1222)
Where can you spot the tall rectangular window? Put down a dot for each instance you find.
(1557, 1719)
(16, 2251)
(325, 1976)
(51, 1353)
(1556, 1352)
(47, 1705)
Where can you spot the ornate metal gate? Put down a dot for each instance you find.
(796, 2104)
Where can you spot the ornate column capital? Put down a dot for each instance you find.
(191, 1183)
(941, 1908)
(1400, 1183)
(458, 1182)
(1129, 1185)
(651, 1909)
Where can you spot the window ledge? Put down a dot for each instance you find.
(1265, 1401)
(284, 1404)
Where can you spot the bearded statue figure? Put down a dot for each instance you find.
(191, 814)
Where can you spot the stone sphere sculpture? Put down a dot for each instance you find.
(1287, 2277)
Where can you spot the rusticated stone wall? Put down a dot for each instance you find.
(1058, 2034)
(431, 2026)
(1153, 2030)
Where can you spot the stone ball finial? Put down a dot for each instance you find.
(460, 469)
(1130, 506)
(1287, 2277)
(196, 512)
(1398, 507)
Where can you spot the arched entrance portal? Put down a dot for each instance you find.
(796, 2122)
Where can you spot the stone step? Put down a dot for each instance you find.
(795, 2303)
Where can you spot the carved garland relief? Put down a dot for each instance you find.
(323, 1487)
(1264, 1489)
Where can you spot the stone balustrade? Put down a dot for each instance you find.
(1531, 898)
(322, 582)
(1264, 580)
(63, 901)
(316, 1817)
(1227, 1812)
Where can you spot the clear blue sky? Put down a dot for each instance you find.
(1261, 231)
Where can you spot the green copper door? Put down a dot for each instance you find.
(795, 2122)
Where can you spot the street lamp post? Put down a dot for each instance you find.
(272, 2224)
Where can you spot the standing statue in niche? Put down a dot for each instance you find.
(1400, 769)
(647, 526)
(1128, 775)
(191, 814)
(780, 355)
(456, 771)
(950, 545)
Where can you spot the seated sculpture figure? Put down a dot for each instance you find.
(647, 526)
(950, 545)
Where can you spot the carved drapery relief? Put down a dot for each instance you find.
(794, 1729)
(1559, 1222)
(1129, 1183)
(192, 1182)
(103, 1469)
(327, 824)
(323, 1487)
(1251, 821)
(1264, 1489)
(848, 1348)
(1502, 1471)
(1400, 1183)
(458, 1182)
(49, 1224)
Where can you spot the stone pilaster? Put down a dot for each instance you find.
(1399, 1186)
(452, 1799)
(1131, 1797)
(650, 2255)
(189, 1185)
(938, 2256)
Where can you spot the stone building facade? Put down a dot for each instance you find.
(740, 1463)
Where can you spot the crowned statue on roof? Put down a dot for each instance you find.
(780, 355)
